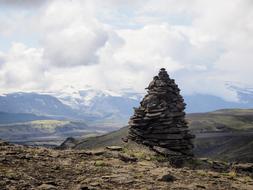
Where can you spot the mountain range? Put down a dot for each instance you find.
(104, 108)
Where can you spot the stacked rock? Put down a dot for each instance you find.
(159, 122)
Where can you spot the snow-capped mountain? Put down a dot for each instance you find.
(107, 108)
(115, 107)
(35, 103)
(95, 107)
(77, 99)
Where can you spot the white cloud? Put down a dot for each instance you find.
(118, 44)
(22, 68)
(22, 3)
(71, 34)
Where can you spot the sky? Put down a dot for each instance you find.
(117, 45)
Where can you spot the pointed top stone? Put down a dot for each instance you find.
(163, 75)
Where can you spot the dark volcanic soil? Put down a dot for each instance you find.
(41, 168)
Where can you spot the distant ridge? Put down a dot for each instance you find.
(97, 107)
(6, 118)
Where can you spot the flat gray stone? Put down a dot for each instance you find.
(166, 151)
(114, 148)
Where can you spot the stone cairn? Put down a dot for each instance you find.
(159, 122)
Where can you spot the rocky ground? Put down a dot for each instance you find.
(24, 167)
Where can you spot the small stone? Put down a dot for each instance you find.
(46, 187)
(3, 143)
(203, 159)
(124, 139)
(167, 178)
(96, 152)
(84, 187)
(244, 167)
(127, 158)
(200, 186)
(114, 148)
(166, 151)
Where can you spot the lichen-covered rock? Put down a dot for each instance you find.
(159, 122)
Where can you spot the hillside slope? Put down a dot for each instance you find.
(223, 134)
(112, 138)
(46, 131)
(226, 120)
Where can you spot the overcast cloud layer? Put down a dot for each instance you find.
(114, 45)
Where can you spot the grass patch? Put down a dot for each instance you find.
(222, 120)
(159, 158)
(231, 175)
(100, 163)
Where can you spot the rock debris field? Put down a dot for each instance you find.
(23, 167)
